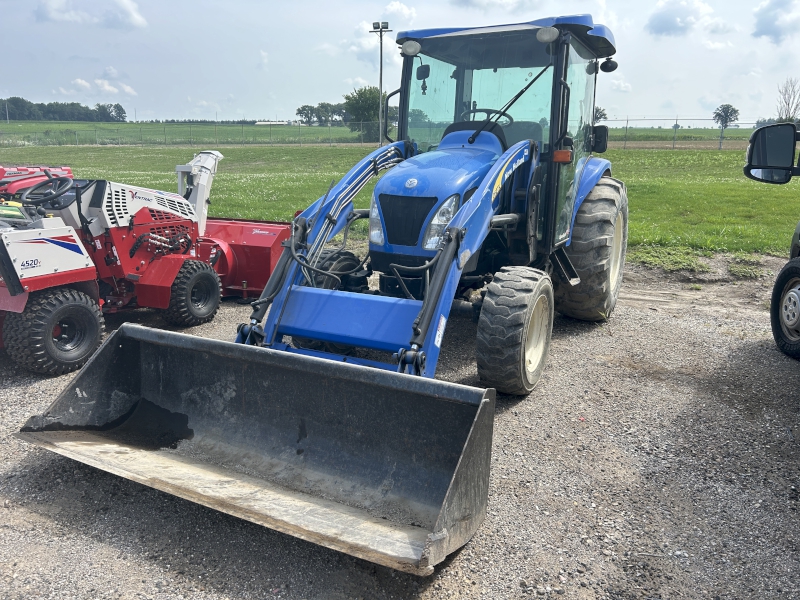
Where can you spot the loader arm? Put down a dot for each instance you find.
(411, 329)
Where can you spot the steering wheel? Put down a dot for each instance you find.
(488, 112)
(56, 191)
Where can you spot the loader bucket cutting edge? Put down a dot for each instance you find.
(386, 467)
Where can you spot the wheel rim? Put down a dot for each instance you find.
(616, 249)
(790, 310)
(202, 294)
(68, 334)
(537, 335)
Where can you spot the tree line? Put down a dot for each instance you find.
(19, 109)
(358, 112)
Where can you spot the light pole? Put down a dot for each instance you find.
(380, 28)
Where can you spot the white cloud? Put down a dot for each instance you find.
(125, 14)
(110, 73)
(117, 14)
(365, 45)
(719, 27)
(676, 17)
(330, 49)
(356, 82)
(716, 45)
(61, 11)
(263, 60)
(66, 92)
(105, 86)
(127, 89)
(620, 85)
(400, 10)
(81, 83)
(777, 19)
(487, 5)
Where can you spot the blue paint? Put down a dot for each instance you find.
(598, 37)
(591, 170)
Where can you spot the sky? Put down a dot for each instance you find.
(233, 59)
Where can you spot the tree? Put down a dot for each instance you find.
(323, 112)
(789, 101)
(725, 115)
(600, 114)
(418, 118)
(118, 113)
(306, 113)
(362, 106)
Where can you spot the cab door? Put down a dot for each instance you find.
(578, 104)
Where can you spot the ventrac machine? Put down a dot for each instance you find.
(72, 250)
(325, 420)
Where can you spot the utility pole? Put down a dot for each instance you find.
(6, 112)
(380, 27)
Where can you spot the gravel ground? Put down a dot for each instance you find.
(657, 458)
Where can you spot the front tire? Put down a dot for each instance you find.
(597, 251)
(785, 309)
(195, 295)
(514, 330)
(56, 333)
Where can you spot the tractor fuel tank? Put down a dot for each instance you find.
(387, 467)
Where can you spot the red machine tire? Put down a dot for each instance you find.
(56, 333)
(195, 297)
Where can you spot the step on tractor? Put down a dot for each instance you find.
(324, 420)
(772, 158)
(72, 250)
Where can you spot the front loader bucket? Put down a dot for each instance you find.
(387, 467)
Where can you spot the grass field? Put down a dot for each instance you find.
(678, 199)
(57, 133)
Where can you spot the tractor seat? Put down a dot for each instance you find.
(523, 130)
(493, 128)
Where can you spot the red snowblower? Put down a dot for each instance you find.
(72, 250)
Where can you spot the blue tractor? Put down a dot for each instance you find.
(324, 419)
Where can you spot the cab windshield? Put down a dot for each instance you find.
(458, 78)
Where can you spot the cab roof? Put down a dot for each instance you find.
(598, 38)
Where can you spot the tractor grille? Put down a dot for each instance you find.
(179, 206)
(116, 206)
(161, 216)
(170, 232)
(404, 217)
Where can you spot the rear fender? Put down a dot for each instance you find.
(15, 304)
(594, 169)
(795, 251)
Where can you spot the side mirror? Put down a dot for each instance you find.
(599, 139)
(770, 155)
(423, 72)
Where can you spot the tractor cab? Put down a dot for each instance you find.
(467, 97)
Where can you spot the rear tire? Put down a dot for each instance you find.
(56, 333)
(195, 296)
(597, 251)
(514, 330)
(785, 309)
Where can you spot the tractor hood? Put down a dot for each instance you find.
(438, 174)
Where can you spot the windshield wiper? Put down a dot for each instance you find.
(508, 105)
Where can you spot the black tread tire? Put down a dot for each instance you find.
(590, 250)
(330, 261)
(28, 336)
(504, 326)
(789, 277)
(182, 311)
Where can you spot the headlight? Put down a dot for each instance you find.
(440, 221)
(375, 227)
